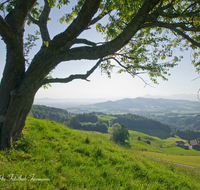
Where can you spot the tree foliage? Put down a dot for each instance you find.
(119, 133)
(167, 25)
(86, 124)
(190, 122)
(140, 37)
(135, 122)
(50, 113)
(87, 117)
(187, 134)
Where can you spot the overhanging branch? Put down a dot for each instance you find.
(173, 28)
(33, 20)
(58, 53)
(99, 17)
(73, 77)
(109, 48)
(88, 10)
(84, 41)
(133, 74)
(176, 15)
(42, 22)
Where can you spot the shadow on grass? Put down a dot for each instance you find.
(22, 144)
(154, 132)
(125, 145)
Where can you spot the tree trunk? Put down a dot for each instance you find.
(14, 119)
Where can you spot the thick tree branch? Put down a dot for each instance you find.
(6, 32)
(88, 10)
(176, 15)
(42, 22)
(84, 41)
(50, 57)
(73, 77)
(45, 13)
(113, 46)
(14, 22)
(17, 17)
(78, 41)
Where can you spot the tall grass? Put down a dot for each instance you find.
(52, 156)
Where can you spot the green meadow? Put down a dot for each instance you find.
(165, 149)
(105, 117)
(55, 157)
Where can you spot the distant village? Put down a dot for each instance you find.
(194, 144)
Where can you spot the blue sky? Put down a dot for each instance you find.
(100, 86)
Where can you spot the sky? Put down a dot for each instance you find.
(100, 86)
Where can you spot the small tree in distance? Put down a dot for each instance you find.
(119, 133)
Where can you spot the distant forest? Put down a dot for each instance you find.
(50, 113)
(134, 122)
(174, 120)
(86, 121)
(91, 122)
(186, 134)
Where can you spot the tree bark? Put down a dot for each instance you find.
(14, 120)
(17, 93)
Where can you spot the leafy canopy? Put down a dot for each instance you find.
(168, 26)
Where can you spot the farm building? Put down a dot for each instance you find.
(182, 144)
(186, 146)
(179, 143)
(195, 145)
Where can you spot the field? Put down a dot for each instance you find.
(105, 117)
(52, 156)
(165, 149)
(179, 159)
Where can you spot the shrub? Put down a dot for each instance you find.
(119, 133)
(148, 142)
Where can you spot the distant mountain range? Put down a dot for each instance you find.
(64, 102)
(141, 106)
(191, 97)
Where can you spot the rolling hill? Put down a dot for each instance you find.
(97, 121)
(141, 106)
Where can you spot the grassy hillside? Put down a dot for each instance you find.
(52, 156)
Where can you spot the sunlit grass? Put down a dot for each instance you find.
(181, 159)
(105, 117)
(52, 156)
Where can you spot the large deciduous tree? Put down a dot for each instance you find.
(138, 36)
